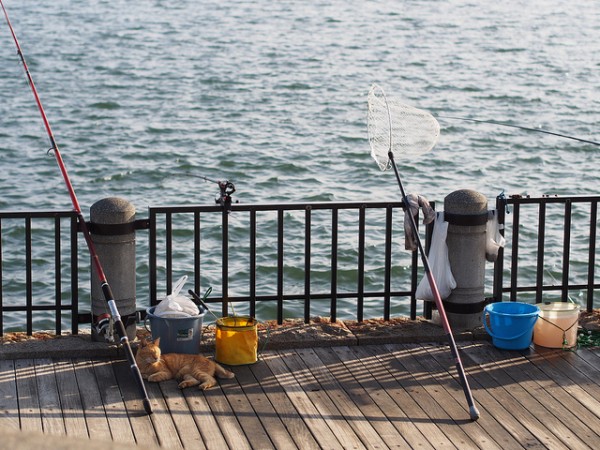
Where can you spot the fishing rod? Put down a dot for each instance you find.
(537, 130)
(106, 290)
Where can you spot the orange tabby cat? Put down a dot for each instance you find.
(190, 369)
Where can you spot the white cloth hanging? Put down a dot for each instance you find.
(494, 240)
(415, 202)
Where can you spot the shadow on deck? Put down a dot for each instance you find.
(365, 396)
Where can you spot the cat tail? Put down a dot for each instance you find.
(221, 372)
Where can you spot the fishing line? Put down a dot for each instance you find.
(536, 130)
(106, 290)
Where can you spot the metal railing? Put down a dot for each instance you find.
(36, 277)
(298, 259)
(557, 236)
(333, 235)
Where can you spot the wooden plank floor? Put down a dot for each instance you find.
(388, 396)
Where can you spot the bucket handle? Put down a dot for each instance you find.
(484, 321)
(146, 319)
(564, 332)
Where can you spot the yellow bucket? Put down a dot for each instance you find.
(236, 340)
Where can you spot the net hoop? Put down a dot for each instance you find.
(398, 128)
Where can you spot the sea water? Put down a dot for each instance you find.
(145, 97)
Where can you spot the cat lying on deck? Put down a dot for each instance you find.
(191, 370)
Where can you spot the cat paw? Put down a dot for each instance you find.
(206, 385)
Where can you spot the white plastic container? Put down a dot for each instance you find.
(557, 324)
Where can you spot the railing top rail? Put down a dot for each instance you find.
(277, 206)
(551, 199)
(36, 214)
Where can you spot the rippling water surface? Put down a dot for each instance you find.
(272, 95)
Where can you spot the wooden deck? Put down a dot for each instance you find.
(388, 396)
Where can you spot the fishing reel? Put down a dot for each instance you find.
(226, 189)
(104, 328)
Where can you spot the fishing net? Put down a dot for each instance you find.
(398, 128)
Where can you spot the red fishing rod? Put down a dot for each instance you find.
(106, 290)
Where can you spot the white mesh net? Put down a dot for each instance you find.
(399, 128)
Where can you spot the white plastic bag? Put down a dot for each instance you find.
(179, 306)
(438, 262)
(494, 240)
(175, 305)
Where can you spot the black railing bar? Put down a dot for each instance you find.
(197, 274)
(592, 254)
(540, 252)
(237, 299)
(225, 261)
(307, 262)
(300, 296)
(35, 214)
(74, 275)
(334, 263)
(57, 275)
(28, 274)
(553, 199)
(361, 264)
(413, 287)
(533, 289)
(280, 228)
(388, 264)
(25, 308)
(566, 251)
(515, 252)
(169, 251)
(253, 263)
(186, 209)
(276, 206)
(152, 259)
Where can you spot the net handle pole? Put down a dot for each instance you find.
(473, 412)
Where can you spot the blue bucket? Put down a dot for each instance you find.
(177, 334)
(511, 324)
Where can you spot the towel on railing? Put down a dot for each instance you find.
(494, 240)
(415, 202)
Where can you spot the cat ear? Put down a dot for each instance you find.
(157, 341)
(143, 342)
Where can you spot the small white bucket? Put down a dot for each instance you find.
(557, 324)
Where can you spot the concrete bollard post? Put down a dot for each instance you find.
(112, 229)
(466, 213)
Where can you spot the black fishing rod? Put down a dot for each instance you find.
(106, 290)
(537, 130)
